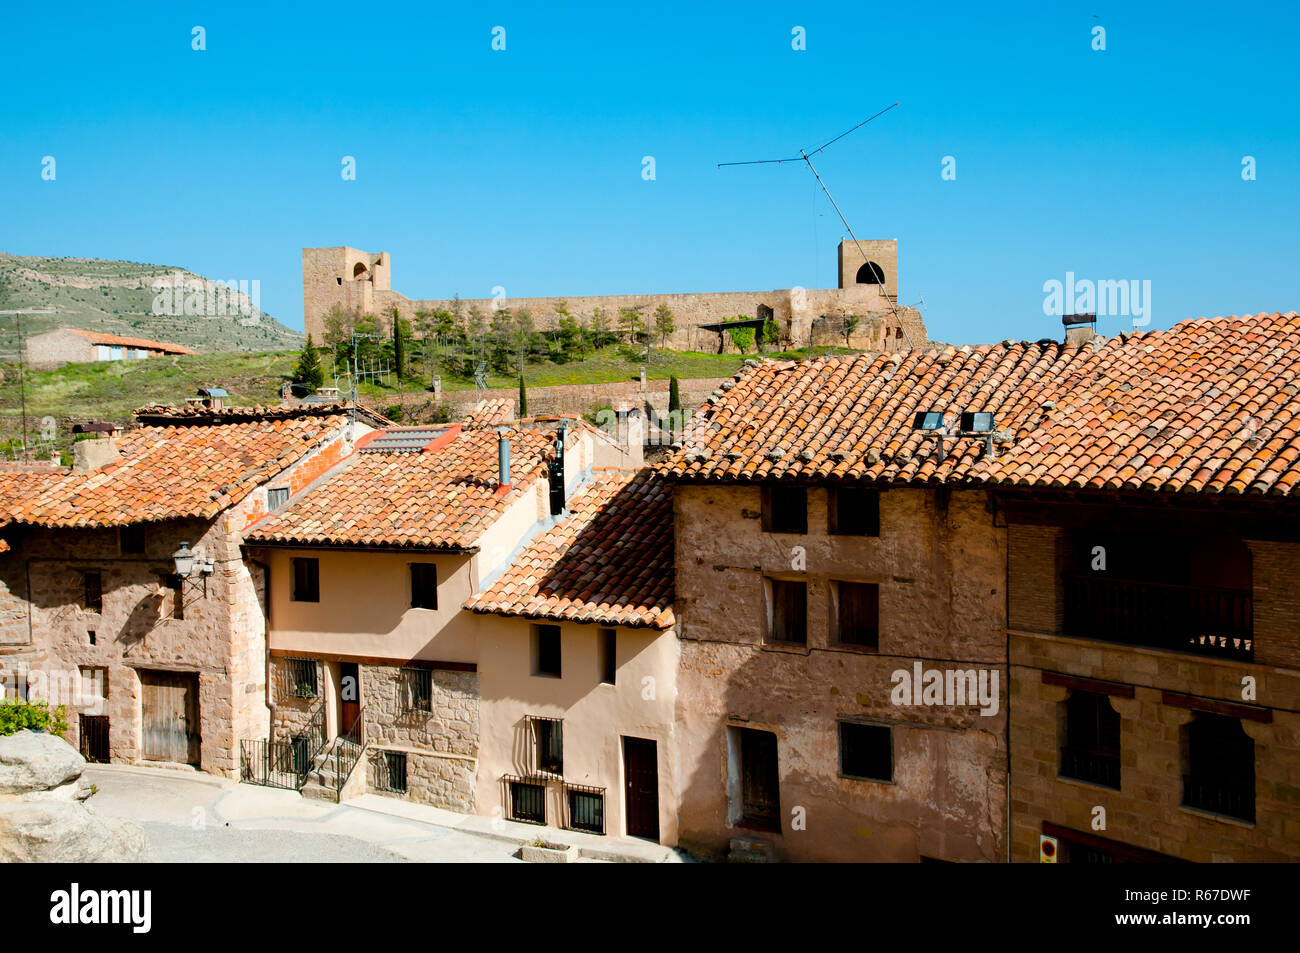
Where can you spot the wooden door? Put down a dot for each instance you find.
(759, 780)
(349, 695)
(170, 706)
(641, 787)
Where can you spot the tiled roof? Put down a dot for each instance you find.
(491, 413)
(441, 498)
(1209, 406)
(114, 340)
(610, 560)
(176, 472)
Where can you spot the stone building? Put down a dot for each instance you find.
(61, 346)
(124, 591)
(867, 293)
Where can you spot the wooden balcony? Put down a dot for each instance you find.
(1216, 623)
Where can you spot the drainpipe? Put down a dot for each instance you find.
(270, 693)
(503, 458)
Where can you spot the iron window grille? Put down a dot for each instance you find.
(391, 772)
(300, 678)
(866, 751)
(1092, 740)
(525, 799)
(585, 808)
(417, 690)
(1220, 774)
(547, 736)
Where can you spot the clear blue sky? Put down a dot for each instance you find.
(522, 168)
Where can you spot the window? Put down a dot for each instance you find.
(789, 611)
(871, 274)
(857, 613)
(424, 586)
(94, 686)
(527, 801)
(94, 594)
(854, 512)
(607, 648)
(546, 650)
(1091, 751)
(300, 677)
(306, 579)
(130, 539)
(548, 744)
(90, 636)
(1220, 760)
(392, 772)
(785, 509)
(176, 597)
(866, 751)
(276, 497)
(586, 808)
(417, 689)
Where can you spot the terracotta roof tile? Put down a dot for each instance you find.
(1207, 406)
(610, 560)
(96, 337)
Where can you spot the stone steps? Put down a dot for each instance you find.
(750, 850)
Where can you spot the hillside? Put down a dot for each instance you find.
(117, 297)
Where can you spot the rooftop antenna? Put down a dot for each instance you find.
(356, 370)
(803, 156)
(22, 385)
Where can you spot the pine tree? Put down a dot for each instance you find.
(309, 372)
(523, 398)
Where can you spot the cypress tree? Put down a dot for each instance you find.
(674, 396)
(523, 398)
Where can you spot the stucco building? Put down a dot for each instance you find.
(61, 346)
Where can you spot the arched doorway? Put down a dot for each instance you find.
(871, 274)
(359, 271)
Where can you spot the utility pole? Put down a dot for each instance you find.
(22, 361)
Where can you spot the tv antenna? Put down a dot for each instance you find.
(22, 384)
(804, 157)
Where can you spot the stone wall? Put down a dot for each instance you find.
(435, 778)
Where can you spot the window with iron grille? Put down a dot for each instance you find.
(866, 751)
(392, 772)
(785, 509)
(93, 599)
(417, 689)
(546, 650)
(276, 497)
(789, 611)
(130, 539)
(854, 511)
(548, 744)
(527, 800)
(586, 807)
(424, 586)
(300, 677)
(1220, 766)
(1092, 740)
(306, 579)
(857, 613)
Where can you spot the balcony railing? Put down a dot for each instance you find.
(1194, 619)
(1089, 766)
(1229, 797)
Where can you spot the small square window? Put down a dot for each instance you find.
(546, 650)
(306, 579)
(586, 810)
(789, 611)
(417, 690)
(392, 772)
(424, 586)
(300, 678)
(785, 509)
(528, 801)
(130, 539)
(866, 751)
(854, 512)
(857, 613)
(276, 498)
(93, 600)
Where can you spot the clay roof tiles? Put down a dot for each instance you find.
(95, 337)
(609, 560)
(1208, 406)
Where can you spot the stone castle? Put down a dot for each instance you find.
(868, 289)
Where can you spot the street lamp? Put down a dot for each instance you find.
(184, 560)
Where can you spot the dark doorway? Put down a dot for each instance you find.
(349, 695)
(760, 788)
(170, 708)
(641, 782)
(94, 738)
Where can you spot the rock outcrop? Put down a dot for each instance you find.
(43, 817)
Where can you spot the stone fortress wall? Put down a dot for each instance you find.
(868, 283)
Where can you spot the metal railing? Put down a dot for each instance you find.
(1202, 621)
(1233, 797)
(284, 764)
(348, 748)
(584, 808)
(1080, 765)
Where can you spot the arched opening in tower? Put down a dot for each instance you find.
(871, 274)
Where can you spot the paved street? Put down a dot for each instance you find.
(193, 817)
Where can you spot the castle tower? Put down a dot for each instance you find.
(342, 276)
(874, 264)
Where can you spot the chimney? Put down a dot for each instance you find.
(92, 454)
(503, 458)
(1079, 328)
(557, 472)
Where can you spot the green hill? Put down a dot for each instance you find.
(118, 297)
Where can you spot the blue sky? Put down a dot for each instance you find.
(522, 168)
